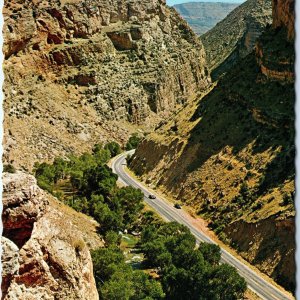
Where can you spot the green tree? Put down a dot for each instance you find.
(60, 167)
(211, 253)
(114, 148)
(76, 178)
(119, 287)
(133, 142)
(101, 155)
(224, 283)
(185, 277)
(46, 171)
(97, 148)
(145, 287)
(112, 274)
(80, 204)
(131, 200)
(106, 262)
(109, 219)
(187, 272)
(99, 180)
(112, 238)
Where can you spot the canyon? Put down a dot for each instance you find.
(218, 120)
(238, 33)
(229, 155)
(203, 16)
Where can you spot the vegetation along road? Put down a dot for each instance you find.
(261, 287)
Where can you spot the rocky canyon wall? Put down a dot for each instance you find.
(284, 15)
(229, 155)
(78, 72)
(235, 36)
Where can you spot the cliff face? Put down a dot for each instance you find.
(238, 33)
(203, 16)
(79, 72)
(284, 16)
(45, 255)
(230, 156)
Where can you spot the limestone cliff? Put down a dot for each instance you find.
(238, 33)
(45, 255)
(230, 156)
(78, 72)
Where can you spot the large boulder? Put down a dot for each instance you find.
(53, 261)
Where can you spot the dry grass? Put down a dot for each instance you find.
(85, 224)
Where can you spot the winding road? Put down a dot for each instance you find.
(165, 209)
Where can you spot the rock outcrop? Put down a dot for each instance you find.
(23, 204)
(284, 16)
(238, 33)
(229, 155)
(44, 254)
(264, 243)
(77, 73)
(10, 263)
(275, 56)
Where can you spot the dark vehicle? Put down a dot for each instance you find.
(177, 206)
(152, 197)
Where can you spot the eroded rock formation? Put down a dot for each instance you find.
(276, 56)
(284, 15)
(80, 72)
(44, 253)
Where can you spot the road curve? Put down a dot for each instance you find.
(261, 287)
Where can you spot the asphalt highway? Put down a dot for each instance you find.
(166, 210)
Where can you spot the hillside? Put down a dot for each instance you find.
(230, 154)
(203, 16)
(77, 73)
(238, 33)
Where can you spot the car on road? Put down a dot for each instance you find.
(177, 206)
(151, 196)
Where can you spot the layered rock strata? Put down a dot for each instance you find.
(80, 72)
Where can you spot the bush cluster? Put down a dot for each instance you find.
(94, 188)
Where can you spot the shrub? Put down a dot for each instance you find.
(287, 199)
(79, 245)
(257, 205)
(114, 148)
(133, 142)
(9, 168)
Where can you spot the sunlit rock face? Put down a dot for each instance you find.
(80, 72)
(44, 255)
